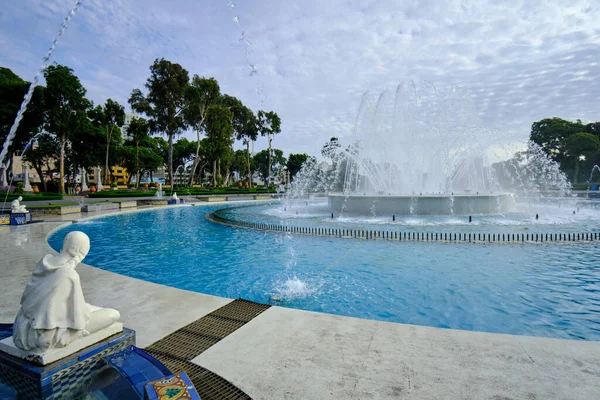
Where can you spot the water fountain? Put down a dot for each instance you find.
(417, 150)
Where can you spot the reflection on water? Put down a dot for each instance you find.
(548, 289)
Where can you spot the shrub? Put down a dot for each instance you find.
(19, 188)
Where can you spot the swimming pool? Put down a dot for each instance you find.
(550, 289)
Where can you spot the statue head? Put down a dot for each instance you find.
(76, 245)
(20, 198)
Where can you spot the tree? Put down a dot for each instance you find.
(219, 132)
(165, 102)
(550, 133)
(266, 159)
(138, 131)
(86, 142)
(42, 156)
(153, 153)
(109, 117)
(12, 92)
(183, 152)
(244, 126)
(65, 105)
(295, 162)
(201, 93)
(579, 147)
(239, 163)
(269, 124)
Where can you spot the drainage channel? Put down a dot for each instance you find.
(178, 349)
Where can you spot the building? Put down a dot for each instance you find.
(125, 127)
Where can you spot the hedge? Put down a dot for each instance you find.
(33, 197)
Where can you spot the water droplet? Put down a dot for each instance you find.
(236, 19)
(231, 4)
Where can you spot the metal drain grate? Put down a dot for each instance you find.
(177, 349)
(209, 385)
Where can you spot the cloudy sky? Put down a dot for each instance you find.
(312, 60)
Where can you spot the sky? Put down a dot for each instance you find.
(311, 61)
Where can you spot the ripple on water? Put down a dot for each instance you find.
(544, 290)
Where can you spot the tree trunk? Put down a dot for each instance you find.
(248, 158)
(63, 143)
(137, 164)
(108, 135)
(40, 172)
(269, 177)
(170, 176)
(226, 180)
(214, 175)
(196, 159)
(151, 178)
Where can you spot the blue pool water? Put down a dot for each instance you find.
(550, 290)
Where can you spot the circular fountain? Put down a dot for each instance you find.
(365, 204)
(419, 151)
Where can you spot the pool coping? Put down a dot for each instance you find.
(295, 354)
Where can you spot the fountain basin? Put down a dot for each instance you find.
(443, 204)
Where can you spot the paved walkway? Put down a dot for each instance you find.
(291, 354)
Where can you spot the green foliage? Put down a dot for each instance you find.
(261, 160)
(573, 145)
(295, 162)
(268, 124)
(65, 105)
(42, 156)
(245, 124)
(219, 136)
(239, 162)
(138, 131)
(183, 152)
(87, 145)
(110, 117)
(12, 92)
(581, 144)
(165, 101)
(199, 95)
(19, 188)
(35, 197)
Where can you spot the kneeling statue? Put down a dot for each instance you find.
(53, 311)
(16, 207)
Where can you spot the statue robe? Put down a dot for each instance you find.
(53, 311)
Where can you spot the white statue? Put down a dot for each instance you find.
(53, 311)
(174, 197)
(16, 206)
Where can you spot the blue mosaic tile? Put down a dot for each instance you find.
(65, 377)
(137, 367)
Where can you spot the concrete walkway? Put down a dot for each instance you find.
(293, 354)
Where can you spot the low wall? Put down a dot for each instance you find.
(128, 204)
(58, 210)
(211, 199)
(421, 205)
(450, 237)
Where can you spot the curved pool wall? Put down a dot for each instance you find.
(545, 290)
(460, 204)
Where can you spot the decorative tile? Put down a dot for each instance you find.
(176, 386)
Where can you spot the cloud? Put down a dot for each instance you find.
(521, 61)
